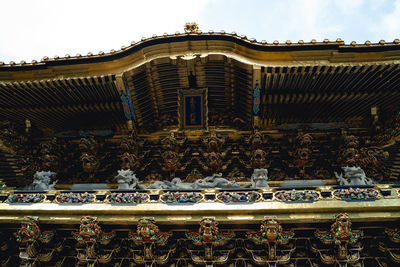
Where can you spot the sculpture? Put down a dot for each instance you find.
(271, 235)
(259, 159)
(89, 149)
(149, 236)
(353, 176)
(349, 151)
(33, 239)
(342, 236)
(148, 232)
(259, 178)
(372, 161)
(90, 235)
(213, 142)
(302, 154)
(49, 155)
(41, 181)
(213, 181)
(171, 157)
(191, 27)
(256, 140)
(126, 179)
(209, 237)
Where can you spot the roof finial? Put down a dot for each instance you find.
(191, 27)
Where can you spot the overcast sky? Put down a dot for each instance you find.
(31, 29)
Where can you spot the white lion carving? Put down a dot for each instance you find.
(41, 181)
(259, 178)
(353, 176)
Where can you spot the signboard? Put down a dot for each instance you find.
(192, 109)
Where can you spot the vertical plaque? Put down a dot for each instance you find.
(193, 109)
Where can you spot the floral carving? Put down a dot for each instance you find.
(26, 198)
(295, 195)
(181, 197)
(229, 197)
(75, 197)
(356, 193)
(134, 198)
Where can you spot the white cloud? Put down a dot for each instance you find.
(33, 29)
(350, 6)
(389, 26)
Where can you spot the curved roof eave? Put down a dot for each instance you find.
(233, 46)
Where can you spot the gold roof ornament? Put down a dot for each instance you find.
(191, 27)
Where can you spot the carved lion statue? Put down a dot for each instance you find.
(41, 181)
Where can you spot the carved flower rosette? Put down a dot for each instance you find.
(128, 198)
(78, 198)
(26, 198)
(356, 194)
(239, 197)
(297, 195)
(181, 197)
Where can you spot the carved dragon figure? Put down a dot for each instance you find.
(126, 179)
(353, 176)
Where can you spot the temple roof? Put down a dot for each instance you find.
(303, 82)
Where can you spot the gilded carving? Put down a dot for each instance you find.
(344, 239)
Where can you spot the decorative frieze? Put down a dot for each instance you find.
(26, 198)
(72, 197)
(181, 197)
(356, 194)
(297, 195)
(239, 197)
(131, 198)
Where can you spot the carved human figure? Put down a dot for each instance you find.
(41, 181)
(259, 178)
